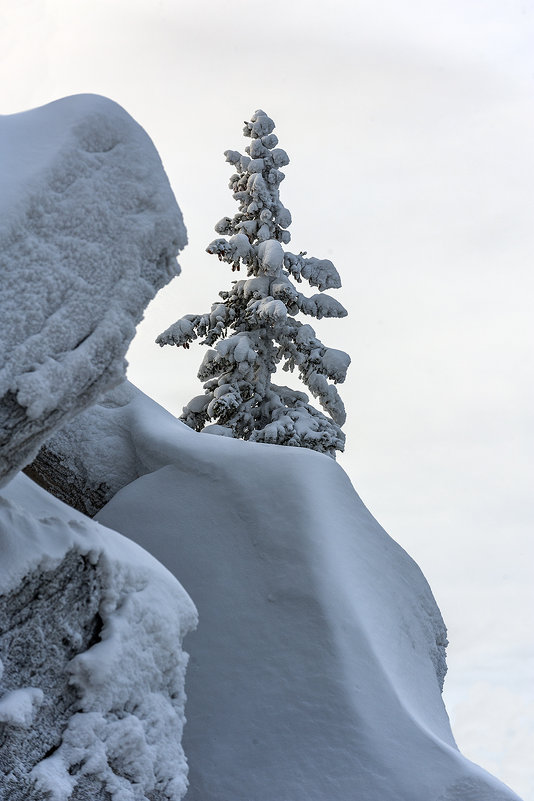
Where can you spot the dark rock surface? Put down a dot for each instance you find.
(68, 481)
(44, 623)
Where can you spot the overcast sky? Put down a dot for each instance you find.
(409, 127)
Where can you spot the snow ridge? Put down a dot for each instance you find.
(328, 646)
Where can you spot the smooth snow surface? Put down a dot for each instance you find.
(131, 683)
(89, 231)
(315, 671)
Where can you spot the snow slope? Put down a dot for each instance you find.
(316, 669)
(123, 732)
(89, 231)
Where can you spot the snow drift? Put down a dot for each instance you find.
(92, 671)
(89, 231)
(316, 670)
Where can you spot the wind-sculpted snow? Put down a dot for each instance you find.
(316, 670)
(89, 231)
(91, 665)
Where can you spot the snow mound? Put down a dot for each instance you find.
(89, 231)
(92, 671)
(316, 670)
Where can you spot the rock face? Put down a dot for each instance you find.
(48, 619)
(92, 457)
(67, 479)
(91, 665)
(89, 231)
(92, 670)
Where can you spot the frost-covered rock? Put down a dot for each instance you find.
(92, 671)
(89, 231)
(316, 671)
(90, 458)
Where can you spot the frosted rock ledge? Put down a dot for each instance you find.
(89, 231)
(92, 672)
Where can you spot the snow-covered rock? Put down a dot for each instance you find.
(90, 458)
(92, 670)
(89, 231)
(316, 670)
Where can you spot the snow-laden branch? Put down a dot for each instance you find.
(318, 272)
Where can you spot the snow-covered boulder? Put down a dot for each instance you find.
(91, 665)
(89, 231)
(316, 670)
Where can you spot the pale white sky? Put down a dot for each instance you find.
(410, 128)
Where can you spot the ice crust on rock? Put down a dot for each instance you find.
(317, 666)
(89, 231)
(90, 458)
(103, 718)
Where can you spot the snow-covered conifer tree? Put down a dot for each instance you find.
(254, 327)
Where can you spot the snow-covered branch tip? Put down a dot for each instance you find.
(252, 329)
